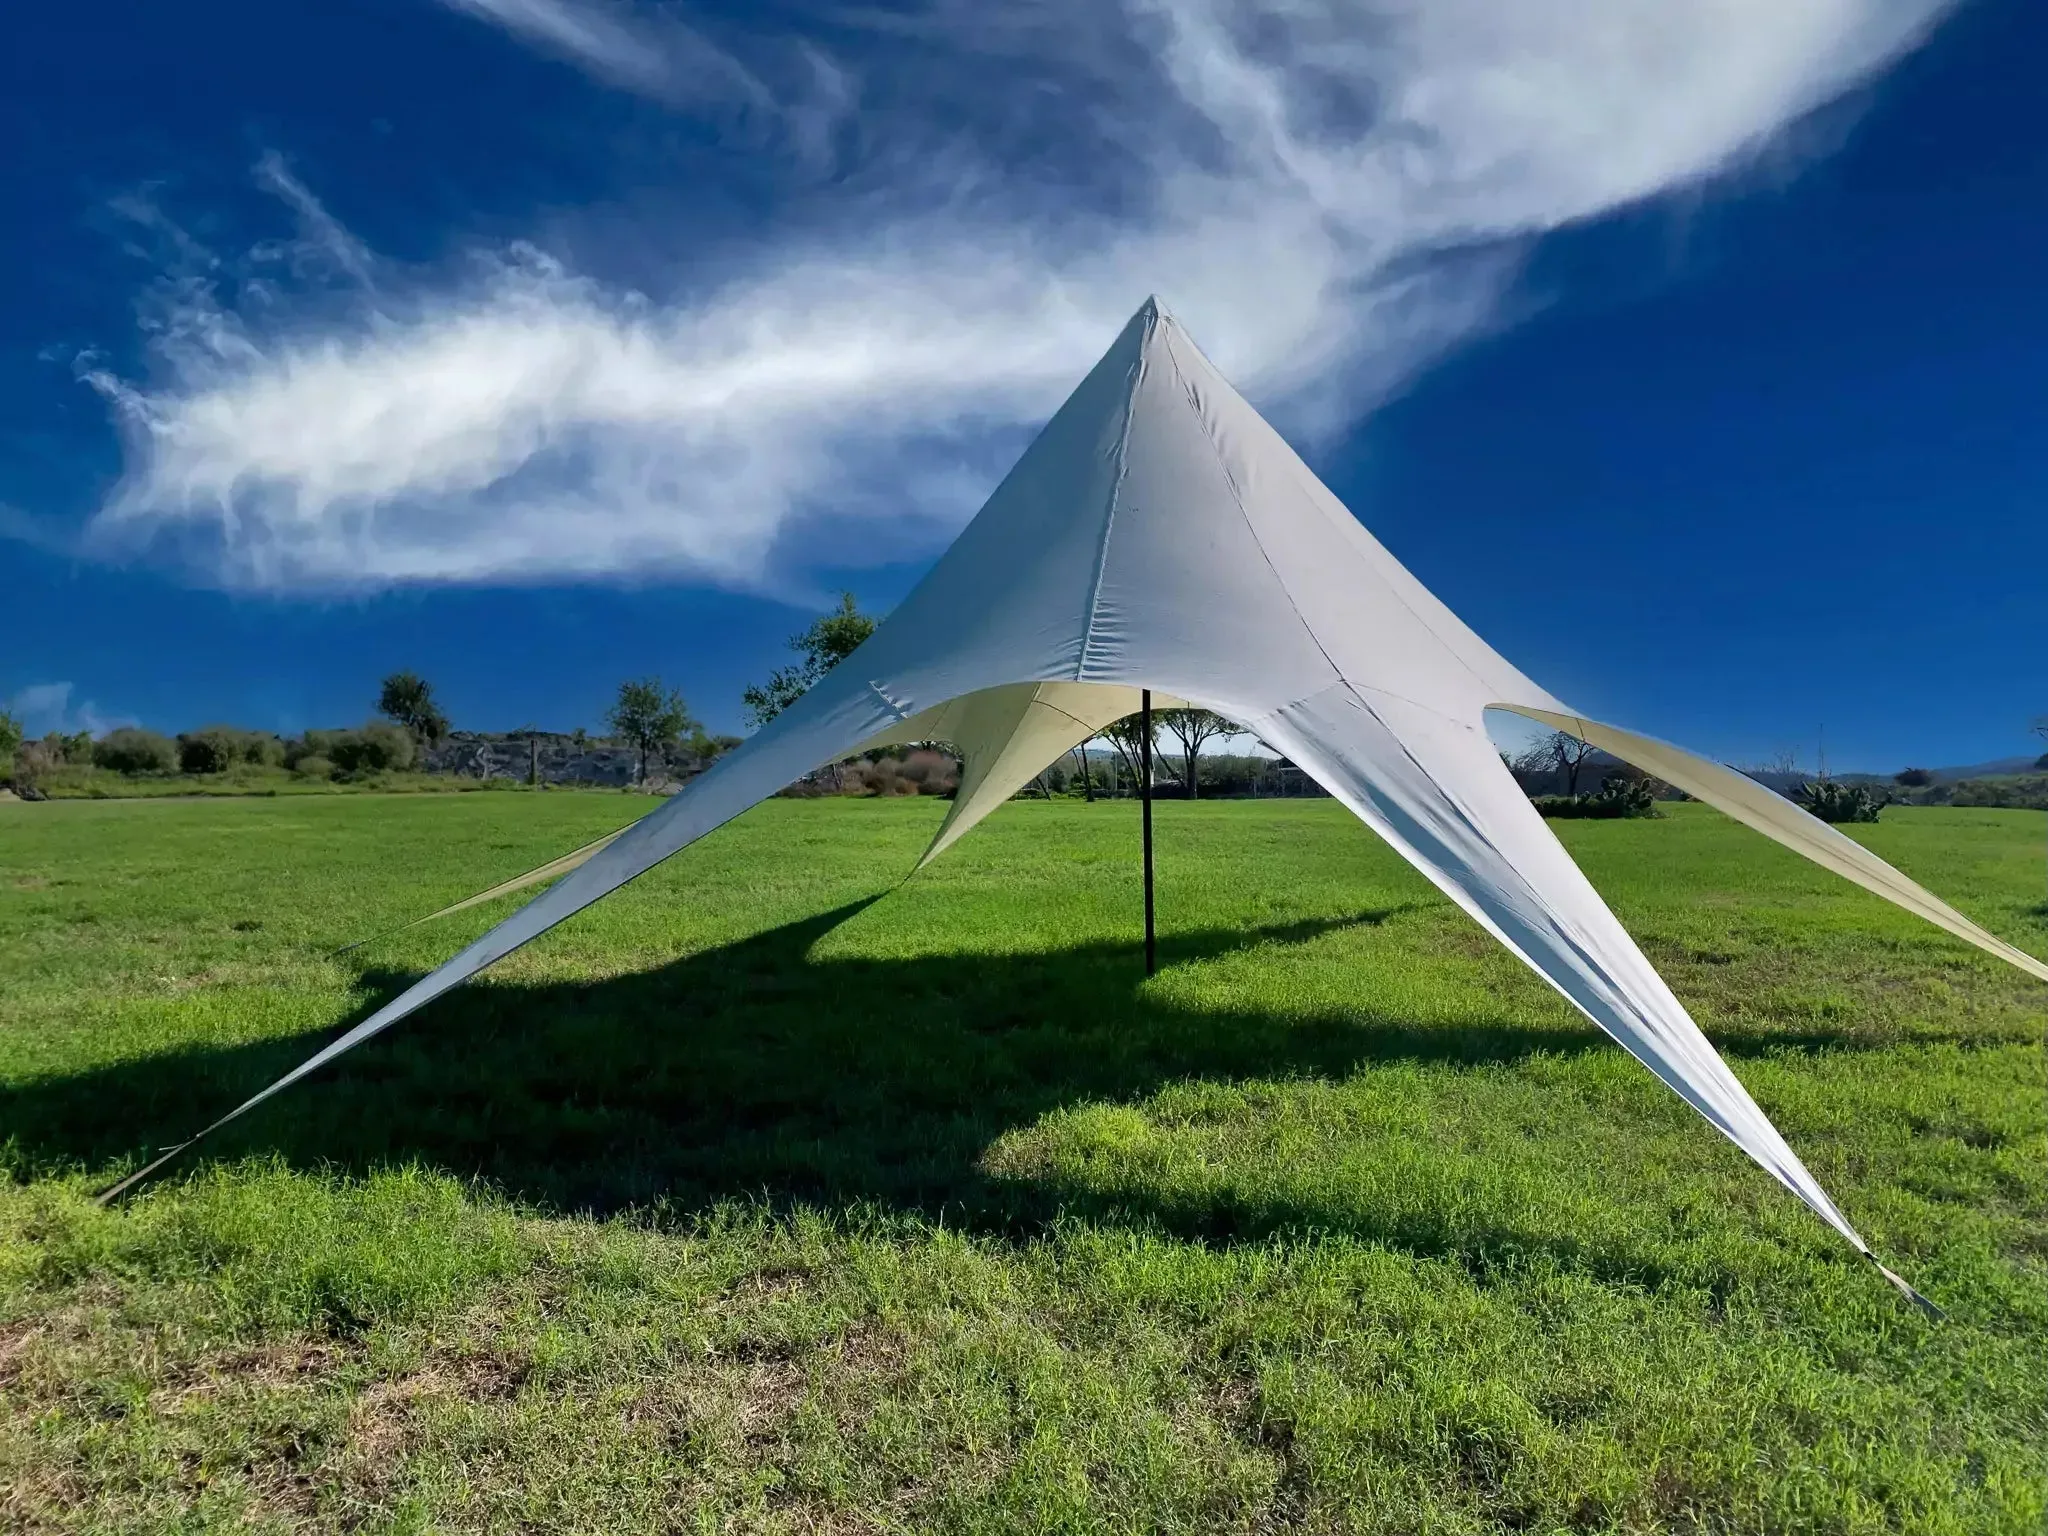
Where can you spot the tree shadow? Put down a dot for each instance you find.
(757, 1070)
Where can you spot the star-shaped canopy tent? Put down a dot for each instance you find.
(1158, 534)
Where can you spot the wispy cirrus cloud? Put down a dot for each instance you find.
(1328, 191)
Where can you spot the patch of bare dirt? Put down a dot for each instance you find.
(267, 1366)
(14, 1341)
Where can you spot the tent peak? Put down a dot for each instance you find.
(1152, 309)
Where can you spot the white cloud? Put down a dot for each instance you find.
(1328, 191)
(45, 707)
(645, 48)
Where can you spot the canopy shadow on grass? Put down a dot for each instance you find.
(758, 1071)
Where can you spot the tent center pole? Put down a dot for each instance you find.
(1145, 816)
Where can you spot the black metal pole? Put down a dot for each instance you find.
(1145, 812)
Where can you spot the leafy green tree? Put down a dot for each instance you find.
(407, 699)
(1191, 728)
(10, 740)
(1128, 737)
(650, 717)
(831, 638)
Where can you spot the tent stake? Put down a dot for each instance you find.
(1145, 814)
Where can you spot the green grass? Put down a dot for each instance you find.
(778, 1193)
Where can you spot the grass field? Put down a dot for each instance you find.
(775, 1194)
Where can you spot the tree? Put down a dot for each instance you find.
(1560, 752)
(1192, 727)
(831, 638)
(1914, 778)
(1567, 754)
(1087, 775)
(649, 716)
(406, 698)
(10, 740)
(1128, 737)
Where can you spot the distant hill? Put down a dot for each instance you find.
(1997, 768)
(1986, 770)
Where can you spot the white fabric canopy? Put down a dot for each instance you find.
(1159, 534)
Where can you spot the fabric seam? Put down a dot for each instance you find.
(1116, 491)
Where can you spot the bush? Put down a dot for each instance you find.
(131, 751)
(217, 748)
(378, 747)
(206, 751)
(1628, 794)
(934, 773)
(918, 771)
(2017, 793)
(1623, 793)
(262, 748)
(1835, 802)
(72, 750)
(312, 744)
(34, 762)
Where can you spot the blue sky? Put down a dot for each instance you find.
(1692, 352)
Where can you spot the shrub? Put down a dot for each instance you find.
(917, 771)
(131, 750)
(217, 748)
(211, 750)
(378, 747)
(1836, 802)
(73, 749)
(1627, 794)
(34, 761)
(2008, 793)
(312, 744)
(933, 773)
(261, 748)
(1623, 793)
(314, 767)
